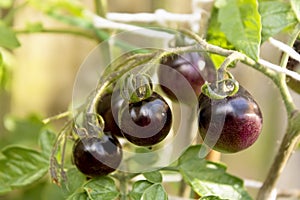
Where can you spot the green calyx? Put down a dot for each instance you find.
(222, 88)
(136, 87)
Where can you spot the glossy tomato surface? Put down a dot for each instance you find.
(233, 123)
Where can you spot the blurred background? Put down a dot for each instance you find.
(44, 68)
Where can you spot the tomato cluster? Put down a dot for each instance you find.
(234, 122)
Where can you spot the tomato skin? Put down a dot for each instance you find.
(237, 121)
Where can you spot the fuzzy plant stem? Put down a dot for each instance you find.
(286, 149)
(292, 135)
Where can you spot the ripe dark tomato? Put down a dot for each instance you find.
(95, 156)
(184, 75)
(234, 122)
(147, 122)
(105, 110)
(294, 65)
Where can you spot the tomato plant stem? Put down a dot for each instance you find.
(285, 56)
(100, 7)
(57, 117)
(54, 165)
(170, 168)
(286, 96)
(286, 149)
(123, 186)
(291, 136)
(85, 34)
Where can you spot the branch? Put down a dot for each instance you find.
(287, 147)
(57, 117)
(242, 57)
(85, 34)
(100, 7)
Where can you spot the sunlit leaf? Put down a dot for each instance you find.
(72, 20)
(211, 198)
(208, 178)
(217, 37)
(5, 3)
(143, 156)
(75, 180)
(240, 21)
(8, 38)
(3, 73)
(6, 63)
(103, 188)
(276, 16)
(22, 129)
(296, 8)
(79, 196)
(155, 191)
(21, 167)
(138, 189)
(46, 141)
(1, 59)
(72, 7)
(153, 177)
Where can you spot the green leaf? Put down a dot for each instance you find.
(3, 73)
(71, 20)
(211, 198)
(73, 7)
(276, 16)
(191, 157)
(144, 156)
(5, 69)
(138, 189)
(23, 129)
(46, 141)
(1, 59)
(5, 3)
(4, 186)
(8, 38)
(241, 23)
(103, 188)
(153, 177)
(78, 196)
(29, 125)
(208, 178)
(296, 8)
(216, 37)
(75, 180)
(24, 166)
(155, 191)
(50, 191)
(21, 167)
